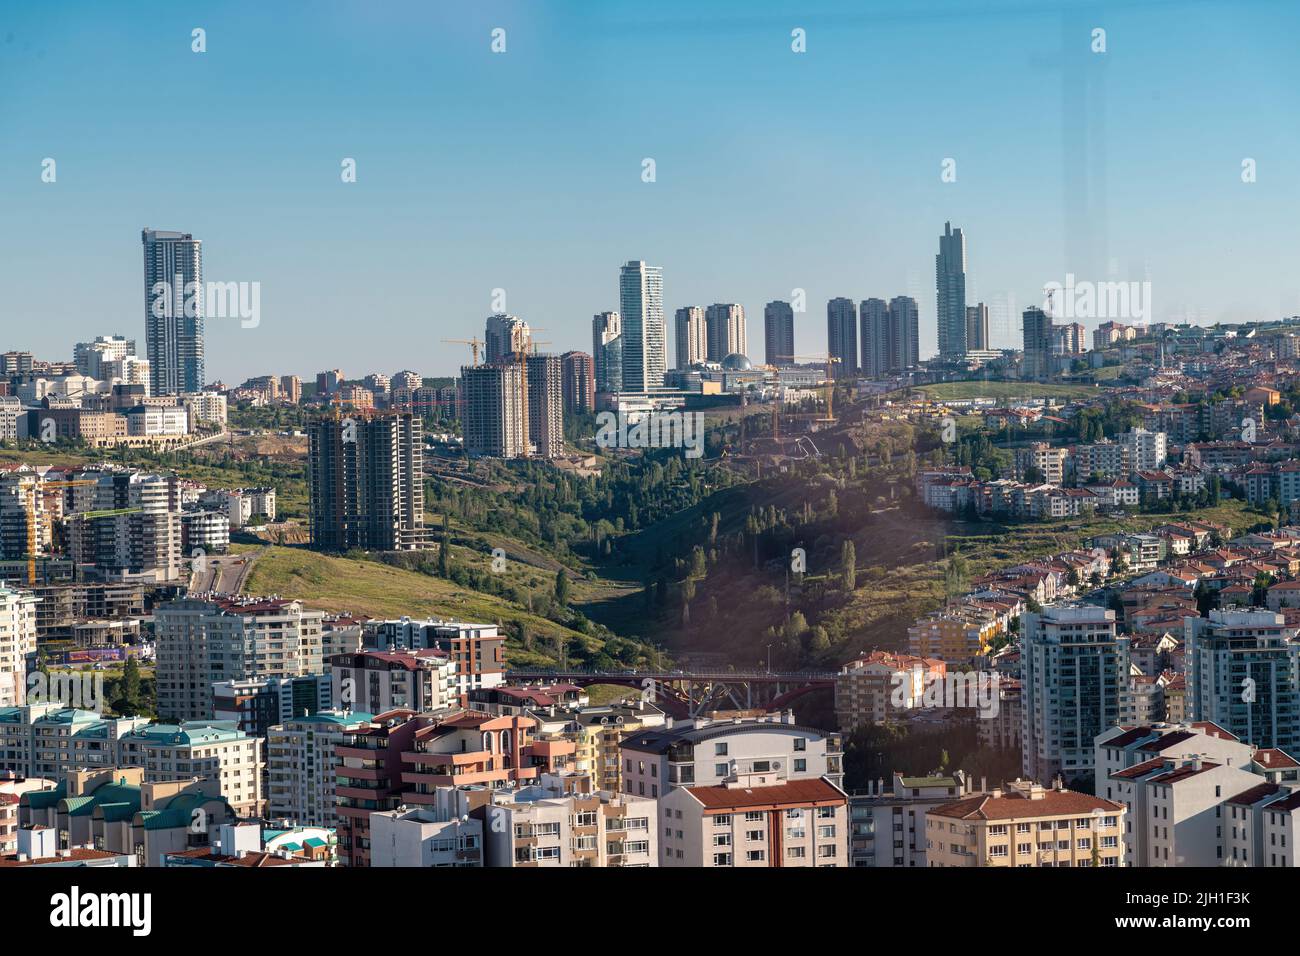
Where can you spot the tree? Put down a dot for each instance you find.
(562, 587)
(131, 682)
(848, 564)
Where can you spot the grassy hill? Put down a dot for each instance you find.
(961, 391)
(372, 588)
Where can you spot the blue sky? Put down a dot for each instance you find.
(522, 170)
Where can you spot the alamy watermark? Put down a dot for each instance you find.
(654, 430)
(1083, 299)
(214, 300)
(974, 690)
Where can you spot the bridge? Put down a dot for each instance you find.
(694, 692)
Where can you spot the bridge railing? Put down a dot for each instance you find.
(667, 675)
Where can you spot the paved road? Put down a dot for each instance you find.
(224, 574)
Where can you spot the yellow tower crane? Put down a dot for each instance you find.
(830, 361)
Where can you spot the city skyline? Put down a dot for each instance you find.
(446, 203)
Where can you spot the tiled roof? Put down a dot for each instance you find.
(791, 793)
(1012, 806)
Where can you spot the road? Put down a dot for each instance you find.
(223, 574)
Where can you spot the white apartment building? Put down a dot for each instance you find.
(204, 641)
(204, 408)
(241, 504)
(90, 356)
(49, 739)
(755, 820)
(562, 821)
(1074, 684)
(1243, 673)
(215, 750)
(300, 764)
(705, 752)
(1146, 450)
(13, 418)
(423, 836)
(17, 643)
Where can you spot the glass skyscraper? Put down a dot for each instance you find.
(641, 307)
(173, 308)
(950, 284)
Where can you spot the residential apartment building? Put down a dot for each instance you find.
(1243, 673)
(118, 810)
(204, 641)
(492, 410)
(379, 681)
(579, 373)
(882, 685)
(1026, 825)
(641, 311)
(173, 269)
(211, 750)
(703, 752)
(957, 634)
(127, 526)
(887, 826)
(842, 337)
(950, 287)
(607, 351)
(301, 762)
(724, 324)
(425, 837)
(49, 739)
(17, 643)
(477, 650)
(366, 482)
(755, 820)
(504, 336)
(1074, 685)
(692, 338)
(778, 334)
(545, 406)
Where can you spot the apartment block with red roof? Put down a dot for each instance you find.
(876, 686)
(1026, 825)
(755, 820)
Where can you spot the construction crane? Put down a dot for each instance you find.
(36, 488)
(830, 360)
(473, 343)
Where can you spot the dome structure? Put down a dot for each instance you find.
(735, 362)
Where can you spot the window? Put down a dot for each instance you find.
(720, 750)
(825, 813)
(754, 835)
(722, 820)
(800, 765)
(800, 744)
(720, 769)
(756, 856)
(722, 859)
(826, 833)
(796, 852)
(722, 839)
(1024, 848)
(754, 817)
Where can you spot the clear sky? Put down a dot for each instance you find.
(522, 170)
